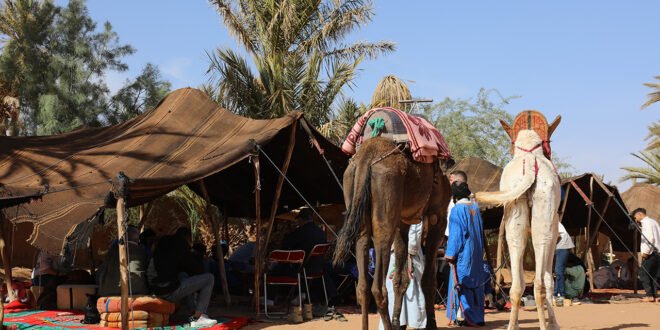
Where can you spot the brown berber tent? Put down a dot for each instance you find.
(643, 195)
(185, 139)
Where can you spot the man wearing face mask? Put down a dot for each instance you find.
(465, 249)
(455, 176)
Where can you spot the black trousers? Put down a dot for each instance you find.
(650, 266)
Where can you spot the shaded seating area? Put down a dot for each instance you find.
(237, 165)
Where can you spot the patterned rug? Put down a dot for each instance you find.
(37, 320)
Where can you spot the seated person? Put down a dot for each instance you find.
(575, 282)
(50, 270)
(305, 237)
(148, 241)
(180, 275)
(109, 278)
(242, 259)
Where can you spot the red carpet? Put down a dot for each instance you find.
(38, 320)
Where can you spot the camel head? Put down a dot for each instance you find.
(528, 140)
(531, 120)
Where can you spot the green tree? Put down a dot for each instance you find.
(648, 174)
(137, 96)
(471, 126)
(348, 113)
(26, 29)
(300, 61)
(81, 57)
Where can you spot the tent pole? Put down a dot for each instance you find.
(144, 213)
(635, 264)
(225, 225)
(5, 241)
(587, 248)
(216, 234)
(594, 234)
(563, 206)
(257, 205)
(278, 189)
(120, 192)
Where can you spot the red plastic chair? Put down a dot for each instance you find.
(283, 257)
(318, 251)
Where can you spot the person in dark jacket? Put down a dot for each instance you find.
(181, 275)
(305, 237)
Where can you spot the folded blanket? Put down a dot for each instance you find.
(426, 142)
(137, 316)
(132, 324)
(137, 303)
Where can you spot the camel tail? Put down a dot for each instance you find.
(356, 216)
(504, 197)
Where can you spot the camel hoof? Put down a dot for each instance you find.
(395, 323)
(553, 326)
(513, 326)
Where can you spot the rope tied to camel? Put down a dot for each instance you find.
(377, 126)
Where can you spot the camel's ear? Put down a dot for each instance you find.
(553, 126)
(507, 129)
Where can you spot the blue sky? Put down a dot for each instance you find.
(584, 60)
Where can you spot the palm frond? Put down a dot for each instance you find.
(370, 50)
(235, 24)
(654, 96)
(650, 174)
(389, 91)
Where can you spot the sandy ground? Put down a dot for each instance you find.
(612, 316)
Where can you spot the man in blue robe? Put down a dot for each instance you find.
(465, 254)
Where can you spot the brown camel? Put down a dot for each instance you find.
(385, 191)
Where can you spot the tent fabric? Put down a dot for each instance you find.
(9, 201)
(576, 214)
(187, 137)
(483, 176)
(643, 195)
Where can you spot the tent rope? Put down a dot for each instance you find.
(634, 255)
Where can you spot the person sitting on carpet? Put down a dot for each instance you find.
(109, 277)
(180, 276)
(50, 270)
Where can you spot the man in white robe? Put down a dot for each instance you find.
(413, 310)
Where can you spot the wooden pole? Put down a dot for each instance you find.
(257, 205)
(120, 191)
(123, 261)
(144, 214)
(278, 188)
(587, 248)
(635, 264)
(215, 224)
(563, 206)
(5, 242)
(225, 218)
(594, 234)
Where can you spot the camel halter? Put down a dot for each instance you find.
(536, 162)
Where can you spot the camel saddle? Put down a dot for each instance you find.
(532, 120)
(420, 137)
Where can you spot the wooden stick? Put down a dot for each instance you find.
(257, 205)
(590, 259)
(215, 224)
(278, 189)
(123, 261)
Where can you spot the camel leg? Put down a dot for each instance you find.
(429, 277)
(363, 294)
(516, 216)
(544, 239)
(400, 279)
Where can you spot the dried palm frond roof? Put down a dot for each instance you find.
(389, 91)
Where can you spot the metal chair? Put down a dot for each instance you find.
(318, 251)
(292, 257)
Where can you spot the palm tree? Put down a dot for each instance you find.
(654, 136)
(348, 113)
(653, 96)
(650, 174)
(300, 61)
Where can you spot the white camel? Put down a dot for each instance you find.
(529, 185)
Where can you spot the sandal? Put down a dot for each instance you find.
(340, 317)
(330, 314)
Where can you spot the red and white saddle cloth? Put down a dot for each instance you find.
(426, 142)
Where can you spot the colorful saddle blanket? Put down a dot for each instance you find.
(426, 142)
